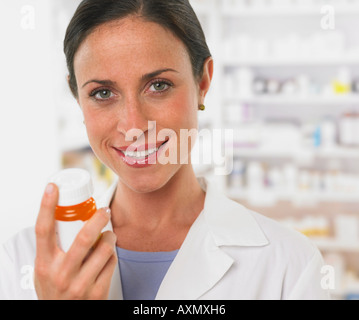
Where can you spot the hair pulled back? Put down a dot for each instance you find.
(176, 16)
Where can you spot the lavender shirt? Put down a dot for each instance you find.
(142, 272)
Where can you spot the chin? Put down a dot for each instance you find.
(147, 183)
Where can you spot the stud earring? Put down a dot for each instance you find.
(201, 107)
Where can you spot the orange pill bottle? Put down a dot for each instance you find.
(75, 206)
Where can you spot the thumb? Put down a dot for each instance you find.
(45, 224)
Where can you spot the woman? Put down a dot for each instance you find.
(144, 65)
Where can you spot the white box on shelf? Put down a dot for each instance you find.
(346, 228)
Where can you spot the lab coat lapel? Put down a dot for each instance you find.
(198, 266)
(115, 287)
(201, 262)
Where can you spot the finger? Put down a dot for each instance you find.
(94, 264)
(45, 223)
(103, 281)
(86, 238)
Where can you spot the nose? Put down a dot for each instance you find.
(132, 119)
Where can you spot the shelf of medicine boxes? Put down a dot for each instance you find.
(344, 56)
(348, 100)
(296, 152)
(309, 154)
(351, 58)
(268, 197)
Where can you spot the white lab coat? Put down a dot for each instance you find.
(229, 253)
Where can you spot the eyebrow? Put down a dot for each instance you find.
(144, 77)
(101, 82)
(157, 73)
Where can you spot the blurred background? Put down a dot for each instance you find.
(286, 86)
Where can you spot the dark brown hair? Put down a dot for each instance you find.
(174, 15)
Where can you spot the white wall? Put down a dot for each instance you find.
(28, 129)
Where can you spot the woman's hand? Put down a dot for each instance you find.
(83, 272)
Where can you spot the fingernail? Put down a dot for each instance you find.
(49, 188)
(108, 211)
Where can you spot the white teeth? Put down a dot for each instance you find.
(140, 154)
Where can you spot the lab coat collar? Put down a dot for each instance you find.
(201, 262)
(230, 223)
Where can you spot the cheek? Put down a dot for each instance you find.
(98, 133)
(97, 124)
(184, 121)
(183, 112)
(93, 132)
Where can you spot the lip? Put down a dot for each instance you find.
(143, 147)
(141, 163)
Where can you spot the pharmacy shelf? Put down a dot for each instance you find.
(296, 100)
(286, 61)
(338, 152)
(268, 196)
(332, 244)
(262, 152)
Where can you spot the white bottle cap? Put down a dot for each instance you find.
(75, 186)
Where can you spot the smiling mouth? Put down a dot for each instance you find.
(140, 154)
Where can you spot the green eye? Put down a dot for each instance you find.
(159, 86)
(104, 94)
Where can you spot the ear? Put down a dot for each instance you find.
(206, 79)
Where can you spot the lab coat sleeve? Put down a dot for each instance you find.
(7, 275)
(310, 284)
(17, 257)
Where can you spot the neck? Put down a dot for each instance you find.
(178, 202)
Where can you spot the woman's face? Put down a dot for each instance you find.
(132, 74)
